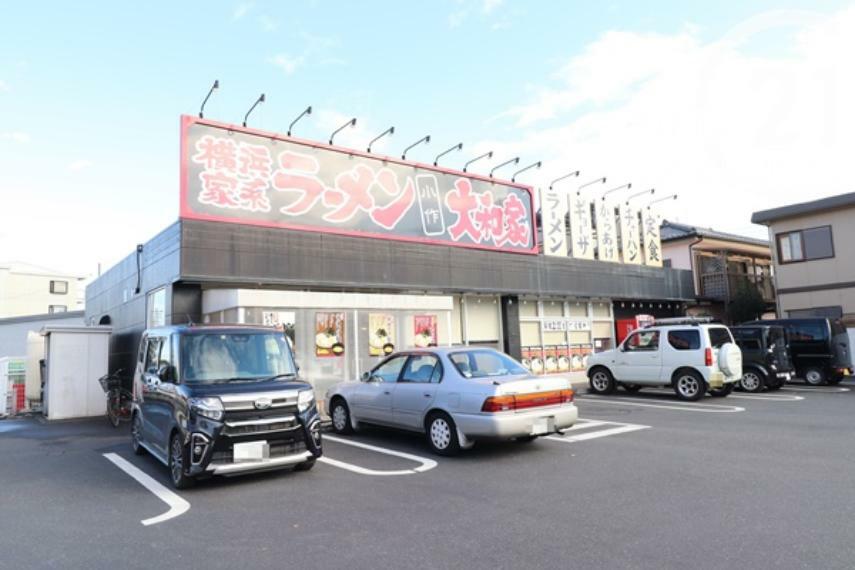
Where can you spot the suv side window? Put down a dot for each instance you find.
(685, 339)
(642, 341)
(152, 354)
(719, 336)
(420, 369)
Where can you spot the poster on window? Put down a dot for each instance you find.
(536, 358)
(329, 334)
(563, 358)
(550, 363)
(381, 334)
(424, 329)
(286, 321)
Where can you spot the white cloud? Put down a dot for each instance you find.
(16, 136)
(268, 24)
(287, 63)
(79, 165)
(4, 87)
(501, 25)
(487, 6)
(241, 10)
(725, 124)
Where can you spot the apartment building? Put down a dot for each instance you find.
(27, 289)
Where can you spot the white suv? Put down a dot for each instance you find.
(692, 356)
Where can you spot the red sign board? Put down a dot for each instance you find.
(239, 175)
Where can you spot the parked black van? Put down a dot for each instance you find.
(819, 348)
(222, 400)
(765, 357)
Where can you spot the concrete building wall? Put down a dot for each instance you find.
(822, 282)
(679, 253)
(26, 290)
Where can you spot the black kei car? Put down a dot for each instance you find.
(819, 348)
(222, 400)
(765, 357)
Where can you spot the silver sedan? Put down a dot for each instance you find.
(455, 396)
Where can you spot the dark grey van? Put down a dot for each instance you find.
(819, 348)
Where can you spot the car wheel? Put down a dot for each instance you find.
(305, 466)
(689, 386)
(601, 381)
(442, 434)
(814, 376)
(136, 435)
(724, 391)
(752, 381)
(340, 415)
(631, 388)
(177, 461)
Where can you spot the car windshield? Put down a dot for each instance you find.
(483, 363)
(234, 357)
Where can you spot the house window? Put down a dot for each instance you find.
(57, 309)
(805, 245)
(156, 313)
(59, 287)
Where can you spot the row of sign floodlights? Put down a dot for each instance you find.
(459, 146)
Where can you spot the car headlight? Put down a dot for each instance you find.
(305, 399)
(211, 408)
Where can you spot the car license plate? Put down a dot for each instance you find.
(251, 451)
(540, 426)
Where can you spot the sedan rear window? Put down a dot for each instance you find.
(719, 336)
(482, 363)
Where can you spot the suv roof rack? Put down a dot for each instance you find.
(695, 321)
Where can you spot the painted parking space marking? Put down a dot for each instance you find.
(679, 407)
(817, 390)
(596, 433)
(769, 396)
(425, 463)
(177, 505)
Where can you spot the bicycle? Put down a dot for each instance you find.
(119, 398)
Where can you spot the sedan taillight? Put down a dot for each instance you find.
(530, 400)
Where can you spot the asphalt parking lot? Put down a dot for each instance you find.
(644, 481)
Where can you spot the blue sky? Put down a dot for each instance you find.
(91, 92)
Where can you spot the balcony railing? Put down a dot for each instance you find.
(721, 285)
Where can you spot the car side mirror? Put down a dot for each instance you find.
(366, 376)
(166, 373)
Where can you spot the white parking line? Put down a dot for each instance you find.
(426, 464)
(622, 428)
(769, 397)
(177, 505)
(817, 390)
(680, 407)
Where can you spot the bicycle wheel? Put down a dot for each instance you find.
(114, 407)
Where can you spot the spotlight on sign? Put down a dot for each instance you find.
(350, 123)
(639, 194)
(565, 177)
(215, 86)
(591, 183)
(507, 162)
(307, 111)
(487, 155)
(251, 109)
(671, 197)
(529, 167)
(424, 139)
(389, 131)
(621, 187)
(458, 146)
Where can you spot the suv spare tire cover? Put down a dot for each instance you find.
(730, 359)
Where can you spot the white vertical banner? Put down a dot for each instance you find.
(553, 210)
(582, 241)
(607, 245)
(652, 240)
(630, 234)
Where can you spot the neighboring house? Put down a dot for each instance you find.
(13, 331)
(721, 263)
(814, 257)
(31, 290)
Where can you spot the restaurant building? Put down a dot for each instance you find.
(357, 255)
